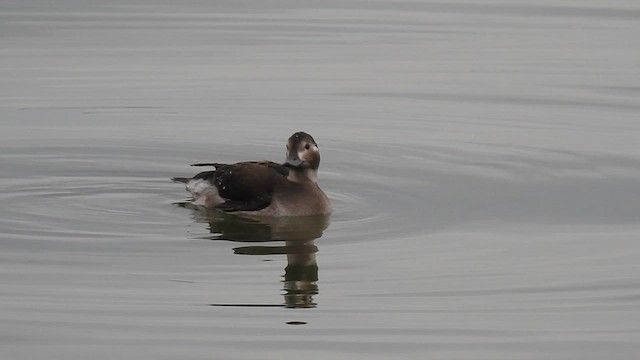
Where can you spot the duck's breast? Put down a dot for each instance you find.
(300, 200)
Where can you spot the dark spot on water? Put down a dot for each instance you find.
(296, 323)
(248, 305)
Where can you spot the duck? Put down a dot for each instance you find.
(264, 188)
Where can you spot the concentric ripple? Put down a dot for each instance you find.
(83, 205)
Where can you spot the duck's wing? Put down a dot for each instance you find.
(280, 168)
(247, 186)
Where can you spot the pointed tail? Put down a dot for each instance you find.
(180, 179)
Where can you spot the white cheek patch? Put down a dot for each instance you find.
(301, 153)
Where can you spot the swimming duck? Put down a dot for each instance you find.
(264, 188)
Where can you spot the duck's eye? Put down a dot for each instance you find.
(307, 146)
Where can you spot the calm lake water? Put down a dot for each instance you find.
(481, 157)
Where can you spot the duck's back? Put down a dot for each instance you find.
(247, 186)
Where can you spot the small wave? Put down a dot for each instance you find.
(82, 208)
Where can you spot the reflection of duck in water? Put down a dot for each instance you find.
(301, 273)
(298, 234)
(264, 188)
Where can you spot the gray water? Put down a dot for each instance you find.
(481, 157)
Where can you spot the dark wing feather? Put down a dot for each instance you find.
(247, 186)
(281, 169)
(206, 175)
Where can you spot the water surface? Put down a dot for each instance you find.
(481, 158)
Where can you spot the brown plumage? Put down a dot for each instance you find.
(264, 187)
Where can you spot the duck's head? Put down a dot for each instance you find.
(302, 152)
